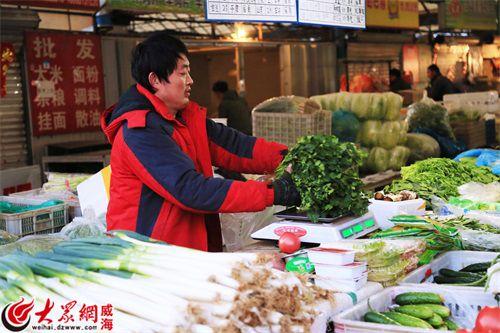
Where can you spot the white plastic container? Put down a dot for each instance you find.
(385, 210)
(464, 304)
(330, 256)
(350, 271)
(341, 285)
(454, 260)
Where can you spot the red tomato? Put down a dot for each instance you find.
(289, 242)
(488, 320)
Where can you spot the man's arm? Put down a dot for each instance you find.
(235, 151)
(156, 159)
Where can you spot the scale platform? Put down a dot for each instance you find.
(327, 230)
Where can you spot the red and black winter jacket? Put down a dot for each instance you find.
(162, 183)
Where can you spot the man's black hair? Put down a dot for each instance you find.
(220, 86)
(158, 54)
(395, 72)
(434, 68)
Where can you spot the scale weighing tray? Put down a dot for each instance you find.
(345, 227)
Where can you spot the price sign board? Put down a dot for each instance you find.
(251, 10)
(339, 13)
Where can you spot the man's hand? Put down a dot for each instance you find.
(285, 191)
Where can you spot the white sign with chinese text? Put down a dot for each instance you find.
(339, 13)
(251, 10)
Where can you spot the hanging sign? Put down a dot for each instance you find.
(392, 14)
(469, 14)
(338, 13)
(66, 90)
(251, 10)
(91, 5)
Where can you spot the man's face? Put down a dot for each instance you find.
(430, 74)
(175, 93)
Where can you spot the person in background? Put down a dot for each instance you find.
(233, 107)
(396, 81)
(163, 150)
(439, 85)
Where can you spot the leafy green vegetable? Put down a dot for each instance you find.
(470, 224)
(325, 172)
(440, 177)
(422, 146)
(430, 115)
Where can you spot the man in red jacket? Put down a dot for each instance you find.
(163, 150)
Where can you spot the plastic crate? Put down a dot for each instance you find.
(464, 304)
(455, 260)
(472, 133)
(34, 222)
(287, 128)
(74, 209)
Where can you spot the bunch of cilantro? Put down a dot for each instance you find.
(325, 172)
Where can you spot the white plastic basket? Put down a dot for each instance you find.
(34, 222)
(455, 260)
(464, 304)
(74, 209)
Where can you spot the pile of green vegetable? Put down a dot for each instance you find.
(440, 177)
(325, 172)
(416, 309)
(471, 275)
(430, 115)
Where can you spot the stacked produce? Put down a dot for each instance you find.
(439, 177)
(380, 130)
(415, 309)
(325, 172)
(154, 287)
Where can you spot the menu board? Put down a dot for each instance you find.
(251, 10)
(339, 13)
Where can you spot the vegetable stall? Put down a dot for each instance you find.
(419, 254)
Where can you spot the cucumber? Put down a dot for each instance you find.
(452, 273)
(442, 328)
(441, 310)
(418, 298)
(455, 280)
(435, 320)
(407, 320)
(377, 317)
(418, 311)
(477, 268)
(451, 325)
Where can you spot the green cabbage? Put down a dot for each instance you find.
(398, 157)
(389, 134)
(378, 160)
(393, 105)
(370, 132)
(377, 107)
(403, 134)
(422, 146)
(360, 104)
(343, 101)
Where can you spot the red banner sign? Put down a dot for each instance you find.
(60, 4)
(65, 82)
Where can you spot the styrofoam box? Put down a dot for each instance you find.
(455, 260)
(385, 210)
(341, 285)
(464, 304)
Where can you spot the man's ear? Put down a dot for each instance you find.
(154, 81)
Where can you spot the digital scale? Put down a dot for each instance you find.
(326, 230)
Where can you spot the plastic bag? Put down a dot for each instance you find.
(11, 208)
(422, 147)
(393, 105)
(345, 125)
(480, 241)
(82, 227)
(378, 160)
(33, 244)
(480, 192)
(360, 105)
(449, 147)
(377, 107)
(238, 227)
(280, 104)
(389, 134)
(369, 132)
(429, 115)
(398, 157)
